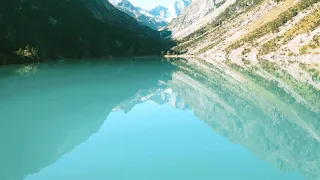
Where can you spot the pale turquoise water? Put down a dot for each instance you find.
(143, 119)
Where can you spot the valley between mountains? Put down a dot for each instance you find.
(243, 32)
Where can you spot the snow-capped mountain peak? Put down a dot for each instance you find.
(172, 12)
(161, 12)
(157, 17)
(141, 15)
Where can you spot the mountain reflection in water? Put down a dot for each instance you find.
(49, 109)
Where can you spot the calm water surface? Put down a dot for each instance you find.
(150, 119)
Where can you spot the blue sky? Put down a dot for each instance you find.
(149, 4)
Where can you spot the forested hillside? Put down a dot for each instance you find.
(33, 30)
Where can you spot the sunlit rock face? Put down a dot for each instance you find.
(195, 12)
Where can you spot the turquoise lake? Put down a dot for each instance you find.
(156, 119)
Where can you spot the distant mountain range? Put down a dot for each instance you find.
(156, 18)
(161, 12)
(141, 15)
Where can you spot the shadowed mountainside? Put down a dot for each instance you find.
(33, 30)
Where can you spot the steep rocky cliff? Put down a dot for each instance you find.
(35, 30)
(196, 15)
(285, 30)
